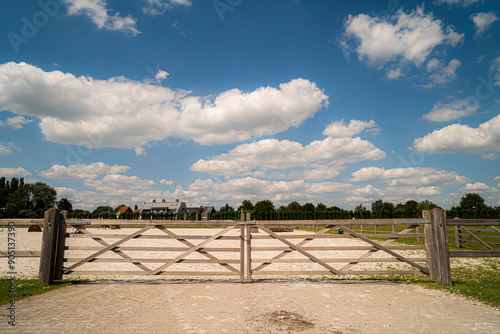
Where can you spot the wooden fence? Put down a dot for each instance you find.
(250, 249)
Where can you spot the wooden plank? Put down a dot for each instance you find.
(61, 242)
(339, 260)
(429, 246)
(373, 251)
(458, 235)
(386, 250)
(440, 233)
(166, 273)
(107, 248)
(341, 236)
(242, 253)
(22, 253)
(191, 250)
(178, 237)
(248, 251)
(335, 248)
(300, 250)
(149, 260)
(21, 221)
(154, 249)
(475, 253)
(300, 244)
(202, 252)
(473, 222)
(476, 237)
(345, 273)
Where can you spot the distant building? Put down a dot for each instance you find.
(179, 209)
(163, 207)
(123, 210)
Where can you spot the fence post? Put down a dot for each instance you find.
(49, 247)
(249, 251)
(61, 243)
(436, 241)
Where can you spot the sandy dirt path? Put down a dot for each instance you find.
(293, 306)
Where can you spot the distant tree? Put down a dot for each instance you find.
(377, 205)
(100, 210)
(412, 209)
(471, 201)
(65, 204)
(426, 205)
(30, 200)
(308, 207)
(246, 205)
(294, 206)
(265, 205)
(135, 207)
(321, 206)
(226, 208)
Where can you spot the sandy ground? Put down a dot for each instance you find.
(137, 304)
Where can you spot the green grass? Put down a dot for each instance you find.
(480, 282)
(26, 288)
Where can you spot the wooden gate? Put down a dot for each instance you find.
(245, 249)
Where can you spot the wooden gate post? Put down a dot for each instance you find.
(49, 247)
(436, 244)
(61, 243)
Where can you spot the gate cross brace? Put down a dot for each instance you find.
(187, 243)
(388, 251)
(300, 250)
(371, 252)
(109, 247)
(191, 250)
(300, 244)
(476, 236)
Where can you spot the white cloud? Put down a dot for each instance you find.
(127, 114)
(321, 159)
(441, 73)
(11, 172)
(119, 185)
(394, 73)
(400, 38)
(444, 112)
(462, 3)
(489, 156)
(166, 182)
(96, 10)
(462, 138)
(413, 176)
(16, 122)
(478, 186)
(8, 148)
(339, 129)
(482, 21)
(82, 171)
(159, 7)
(140, 151)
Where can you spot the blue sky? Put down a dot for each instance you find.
(214, 102)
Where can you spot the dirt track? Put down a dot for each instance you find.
(261, 307)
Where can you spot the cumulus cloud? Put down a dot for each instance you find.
(320, 159)
(339, 129)
(482, 21)
(96, 11)
(159, 7)
(440, 73)
(127, 114)
(462, 138)
(402, 37)
(166, 182)
(14, 172)
(478, 186)
(495, 71)
(119, 185)
(416, 176)
(82, 171)
(8, 148)
(16, 122)
(444, 112)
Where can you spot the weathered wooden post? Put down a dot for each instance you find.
(436, 242)
(49, 247)
(61, 243)
(458, 236)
